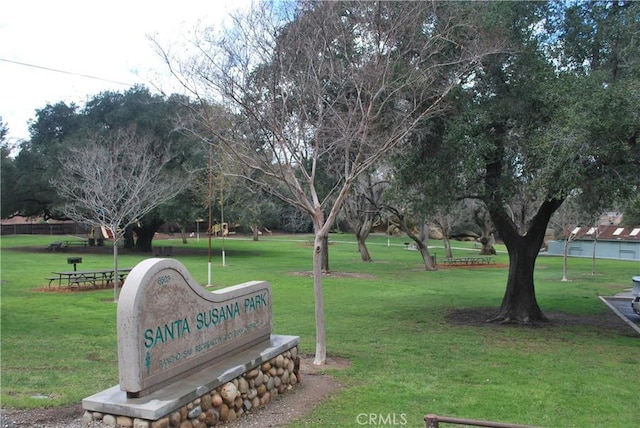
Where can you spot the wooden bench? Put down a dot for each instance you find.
(433, 421)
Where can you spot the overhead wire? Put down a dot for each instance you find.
(65, 72)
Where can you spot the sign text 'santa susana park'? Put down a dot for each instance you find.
(168, 325)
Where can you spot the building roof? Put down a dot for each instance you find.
(608, 233)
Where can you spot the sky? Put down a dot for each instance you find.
(95, 46)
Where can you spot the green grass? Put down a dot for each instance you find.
(407, 358)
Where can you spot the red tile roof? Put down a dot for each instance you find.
(608, 233)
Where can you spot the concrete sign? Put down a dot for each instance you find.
(169, 326)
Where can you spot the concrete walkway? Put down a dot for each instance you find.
(620, 304)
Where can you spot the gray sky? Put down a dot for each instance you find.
(106, 40)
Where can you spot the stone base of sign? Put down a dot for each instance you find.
(220, 392)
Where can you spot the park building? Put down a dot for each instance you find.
(610, 242)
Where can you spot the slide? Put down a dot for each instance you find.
(105, 233)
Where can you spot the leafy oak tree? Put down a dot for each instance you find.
(36, 162)
(8, 176)
(631, 215)
(59, 127)
(555, 116)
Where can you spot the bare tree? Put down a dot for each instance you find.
(363, 208)
(595, 231)
(114, 180)
(334, 84)
(566, 221)
(482, 218)
(419, 234)
(444, 219)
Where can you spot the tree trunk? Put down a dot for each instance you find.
(426, 257)
(487, 242)
(146, 233)
(593, 253)
(364, 251)
(519, 304)
(318, 257)
(421, 244)
(420, 241)
(254, 232)
(447, 245)
(145, 238)
(361, 236)
(483, 219)
(183, 233)
(423, 247)
(564, 260)
(325, 254)
(116, 238)
(129, 241)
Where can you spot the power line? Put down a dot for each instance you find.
(65, 72)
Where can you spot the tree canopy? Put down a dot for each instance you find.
(60, 128)
(554, 115)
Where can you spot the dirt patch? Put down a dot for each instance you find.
(605, 322)
(316, 386)
(66, 416)
(75, 289)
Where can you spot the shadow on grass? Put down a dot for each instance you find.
(603, 322)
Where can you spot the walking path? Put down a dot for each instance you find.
(620, 304)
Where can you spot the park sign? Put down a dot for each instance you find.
(169, 326)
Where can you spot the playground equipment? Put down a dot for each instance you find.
(220, 229)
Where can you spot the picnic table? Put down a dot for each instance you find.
(63, 245)
(93, 278)
(465, 261)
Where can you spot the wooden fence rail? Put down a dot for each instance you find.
(433, 421)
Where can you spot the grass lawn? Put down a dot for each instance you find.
(393, 321)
